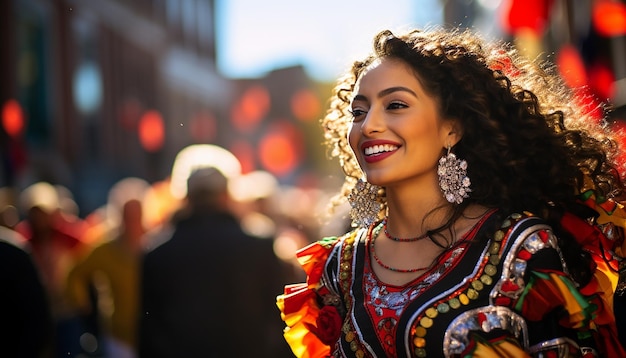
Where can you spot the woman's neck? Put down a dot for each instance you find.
(413, 212)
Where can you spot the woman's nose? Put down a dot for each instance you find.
(373, 123)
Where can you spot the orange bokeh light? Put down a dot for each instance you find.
(279, 149)
(12, 118)
(253, 105)
(609, 18)
(305, 105)
(151, 131)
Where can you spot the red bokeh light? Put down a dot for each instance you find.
(151, 131)
(609, 18)
(12, 118)
(589, 104)
(602, 80)
(525, 14)
(571, 66)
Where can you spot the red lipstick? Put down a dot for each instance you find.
(376, 157)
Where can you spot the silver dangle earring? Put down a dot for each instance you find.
(366, 201)
(453, 179)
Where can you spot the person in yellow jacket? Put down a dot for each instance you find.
(112, 271)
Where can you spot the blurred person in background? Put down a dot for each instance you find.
(55, 245)
(254, 197)
(69, 211)
(25, 321)
(9, 218)
(160, 212)
(111, 272)
(208, 290)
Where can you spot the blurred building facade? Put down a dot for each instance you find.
(99, 90)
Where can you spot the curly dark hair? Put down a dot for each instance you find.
(527, 144)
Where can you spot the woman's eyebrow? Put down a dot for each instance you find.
(395, 89)
(385, 92)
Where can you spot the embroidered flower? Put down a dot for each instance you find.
(327, 325)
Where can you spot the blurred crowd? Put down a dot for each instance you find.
(188, 266)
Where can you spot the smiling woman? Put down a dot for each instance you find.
(518, 261)
(396, 123)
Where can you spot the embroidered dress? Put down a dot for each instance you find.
(498, 294)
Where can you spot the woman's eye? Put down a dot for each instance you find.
(396, 105)
(357, 112)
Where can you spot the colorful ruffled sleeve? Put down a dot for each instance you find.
(311, 327)
(607, 247)
(586, 310)
(559, 315)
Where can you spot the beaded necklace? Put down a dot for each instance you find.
(400, 239)
(374, 234)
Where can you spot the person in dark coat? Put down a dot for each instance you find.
(209, 290)
(25, 318)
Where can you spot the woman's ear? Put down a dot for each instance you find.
(453, 131)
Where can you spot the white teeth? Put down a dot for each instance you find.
(379, 149)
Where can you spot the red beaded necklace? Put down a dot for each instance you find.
(374, 234)
(400, 239)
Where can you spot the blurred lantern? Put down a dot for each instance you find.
(251, 108)
(12, 118)
(609, 18)
(305, 105)
(279, 149)
(151, 131)
(525, 14)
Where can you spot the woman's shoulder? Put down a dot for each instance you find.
(319, 251)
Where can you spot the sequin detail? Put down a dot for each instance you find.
(511, 283)
(484, 319)
(483, 279)
(345, 279)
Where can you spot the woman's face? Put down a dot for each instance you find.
(397, 133)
